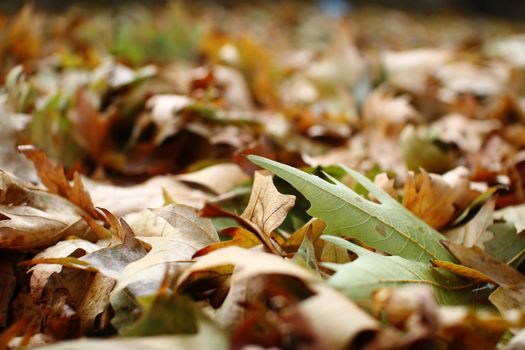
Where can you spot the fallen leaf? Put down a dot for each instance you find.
(410, 69)
(23, 36)
(40, 273)
(511, 282)
(337, 319)
(248, 263)
(188, 224)
(466, 77)
(371, 271)
(412, 309)
(474, 231)
(267, 208)
(514, 214)
(33, 218)
(122, 200)
(90, 126)
(240, 237)
(469, 134)
(219, 178)
(422, 149)
(174, 233)
(435, 200)
(463, 271)
(54, 178)
(387, 113)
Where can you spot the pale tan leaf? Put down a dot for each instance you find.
(219, 178)
(188, 224)
(267, 208)
(336, 318)
(514, 214)
(474, 232)
(248, 263)
(149, 194)
(410, 69)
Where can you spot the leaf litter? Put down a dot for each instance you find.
(134, 212)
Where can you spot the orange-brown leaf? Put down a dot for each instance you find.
(240, 238)
(54, 178)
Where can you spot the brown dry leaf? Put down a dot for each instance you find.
(173, 221)
(97, 294)
(387, 153)
(267, 208)
(511, 282)
(33, 218)
(89, 125)
(327, 312)
(434, 199)
(240, 237)
(40, 273)
(463, 271)
(413, 309)
(248, 263)
(174, 233)
(24, 39)
(164, 114)
(123, 250)
(94, 303)
(315, 226)
(144, 276)
(54, 178)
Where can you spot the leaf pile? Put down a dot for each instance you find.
(261, 176)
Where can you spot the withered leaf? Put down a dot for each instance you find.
(435, 200)
(240, 237)
(54, 178)
(33, 218)
(511, 282)
(267, 208)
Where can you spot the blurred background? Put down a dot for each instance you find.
(512, 9)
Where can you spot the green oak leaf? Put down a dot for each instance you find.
(372, 271)
(386, 226)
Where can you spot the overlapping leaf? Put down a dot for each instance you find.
(371, 271)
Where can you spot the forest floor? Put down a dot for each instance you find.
(278, 175)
